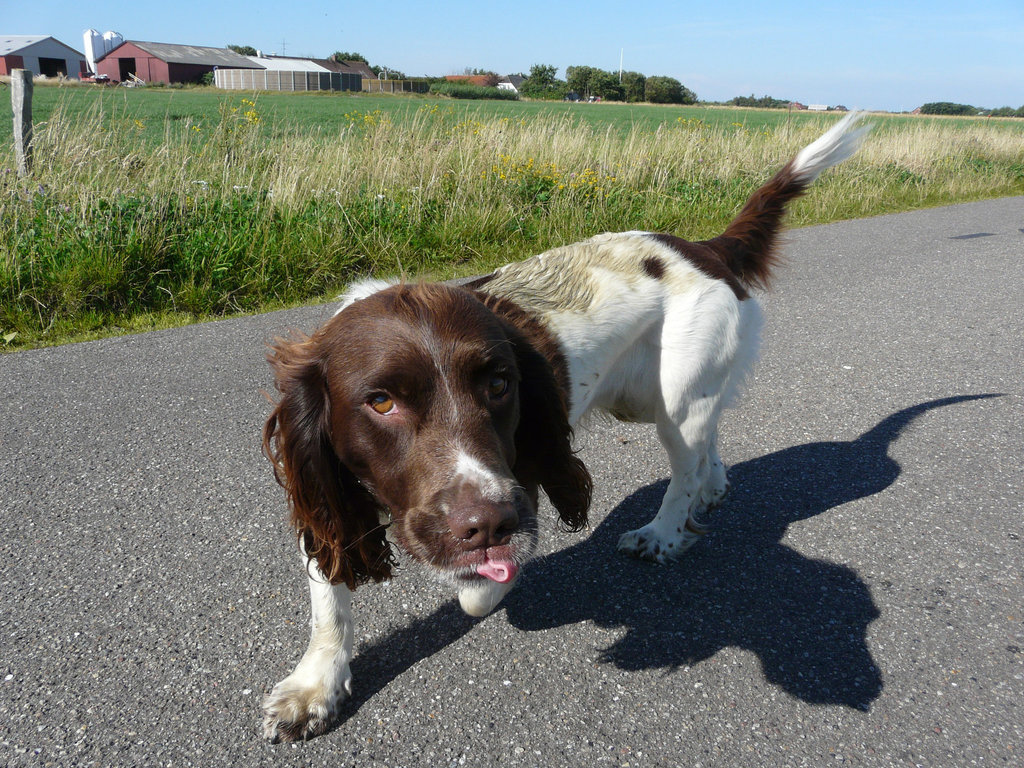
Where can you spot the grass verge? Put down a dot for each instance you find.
(135, 220)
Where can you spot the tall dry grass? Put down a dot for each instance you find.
(233, 214)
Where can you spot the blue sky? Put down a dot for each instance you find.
(893, 55)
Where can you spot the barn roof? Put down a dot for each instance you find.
(14, 43)
(360, 68)
(287, 64)
(188, 54)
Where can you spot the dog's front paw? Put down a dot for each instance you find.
(297, 710)
(657, 545)
(644, 544)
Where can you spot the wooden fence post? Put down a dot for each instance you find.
(21, 103)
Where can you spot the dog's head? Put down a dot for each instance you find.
(432, 407)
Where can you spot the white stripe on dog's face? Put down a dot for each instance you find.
(490, 485)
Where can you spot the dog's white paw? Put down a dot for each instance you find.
(658, 545)
(297, 710)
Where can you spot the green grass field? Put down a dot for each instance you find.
(156, 108)
(326, 111)
(153, 207)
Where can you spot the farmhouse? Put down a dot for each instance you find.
(511, 83)
(41, 54)
(167, 63)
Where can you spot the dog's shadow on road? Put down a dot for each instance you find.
(806, 619)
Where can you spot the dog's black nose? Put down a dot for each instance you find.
(478, 523)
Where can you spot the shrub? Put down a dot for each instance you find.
(947, 108)
(763, 102)
(468, 91)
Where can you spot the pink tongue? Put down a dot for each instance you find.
(501, 571)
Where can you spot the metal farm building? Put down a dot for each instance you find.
(279, 73)
(41, 54)
(282, 80)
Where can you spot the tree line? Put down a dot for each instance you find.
(952, 108)
(585, 82)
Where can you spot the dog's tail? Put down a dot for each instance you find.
(748, 244)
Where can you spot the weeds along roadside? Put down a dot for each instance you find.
(234, 212)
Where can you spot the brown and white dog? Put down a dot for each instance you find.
(435, 414)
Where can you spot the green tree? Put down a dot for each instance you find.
(245, 50)
(390, 74)
(591, 81)
(668, 90)
(633, 86)
(542, 83)
(763, 102)
(345, 56)
(542, 76)
(606, 85)
(578, 79)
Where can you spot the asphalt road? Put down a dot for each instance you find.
(859, 601)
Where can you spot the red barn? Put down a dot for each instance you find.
(167, 63)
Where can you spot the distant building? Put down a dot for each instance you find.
(797, 105)
(360, 68)
(818, 107)
(41, 54)
(287, 63)
(511, 83)
(166, 62)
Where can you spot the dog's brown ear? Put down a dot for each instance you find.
(544, 454)
(337, 519)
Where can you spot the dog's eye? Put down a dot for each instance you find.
(382, 403)
(497, 386)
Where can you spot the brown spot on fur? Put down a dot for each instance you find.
(653, 267)
(744, 255)
(705, 259)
